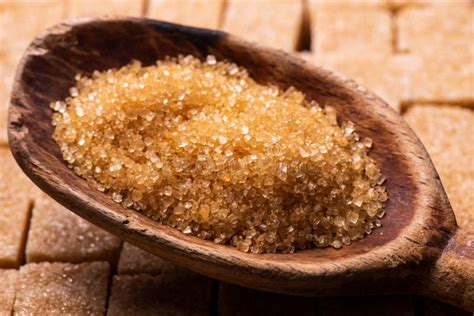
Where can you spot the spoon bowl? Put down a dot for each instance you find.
(417, 250)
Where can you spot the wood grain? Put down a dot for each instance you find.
(419, 219)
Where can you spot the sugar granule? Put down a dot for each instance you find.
(200, 146)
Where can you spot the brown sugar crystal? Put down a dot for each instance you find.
(200, 146)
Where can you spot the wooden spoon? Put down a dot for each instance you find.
(419, 248)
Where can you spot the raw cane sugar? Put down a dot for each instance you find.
(201, 147)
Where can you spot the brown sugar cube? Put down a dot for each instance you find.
(62, 288)
(12, 178)
(8, 62)
(5, 88)
(14, 216)
(191, 12)
(443, 78)
(425, 3)
(8, 281)
(446, 70)
(447, 133)
(57, 234)
(367, 305)
(354, 3)
(306, 56)
(15, 202)
(270, 23)
(23, 20)
(350, 30)
(387, 76)
(134, 260)
(164, 294)
(236, 300)
(77, 8)
(429, 30)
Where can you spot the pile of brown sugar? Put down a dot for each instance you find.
(200, 146)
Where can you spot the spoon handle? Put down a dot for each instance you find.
(451, 278)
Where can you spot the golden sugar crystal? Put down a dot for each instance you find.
(200, 146)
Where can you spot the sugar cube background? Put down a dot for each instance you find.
(350, 30)
(134, 260)
(8, 284)
(164, 294)
(15, 204)
(270, 23)
(196, 13)
(75, 8)
(62, 288)
(57, 234)
(447, 133)
(235, 300)
(435, 36)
